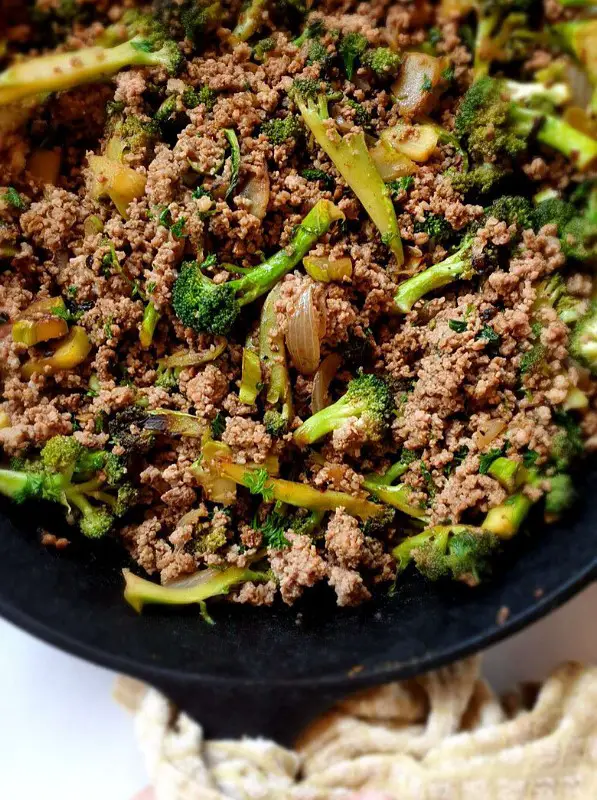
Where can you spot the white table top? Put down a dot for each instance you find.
(63, 738)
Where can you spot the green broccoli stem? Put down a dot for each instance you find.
(485, 28)
(440, 535)
(505, 520)
(507, 472)
(326, 420)
(14, 484)
(19, 486)
(59, 71)
(352, 159)
(398, 497)
(392, 474)
(264, 277)
(151, 317)
(447, 271)
(558, 134)
(249, 21)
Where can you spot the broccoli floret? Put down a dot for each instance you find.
(460, 552)
(208, 307)
(494, 125)
(353, 161)
(561, 495)
(513, 210)
(202, 95)
(437, 228)
(383, 61)
(262, 48)
(127, 429)
(576, 223)
(367, 397)
(401, 185)
(197, 19)
(583, 343)
(279, 130)
(553, 292)
(314, 174)
(69, 474)
(129, 134)
(60, 71)
(351, 48)
(482, 179)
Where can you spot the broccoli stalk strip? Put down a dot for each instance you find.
(299, 495)
(59, 71)
(208, 307)
(461, 552)
(196, 589)
(272, 352)
(494, 125)
(507, 472)
(367, 397)
(352, 159)
(151, 317)
(398, 497)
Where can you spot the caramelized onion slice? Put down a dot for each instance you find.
(320, 397)
(186, 358)
(303, 334)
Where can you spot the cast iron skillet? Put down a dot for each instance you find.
(268, 672)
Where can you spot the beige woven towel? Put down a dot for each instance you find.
(444, 736)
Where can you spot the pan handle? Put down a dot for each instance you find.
(273, 712)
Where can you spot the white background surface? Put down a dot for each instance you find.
(62, 737)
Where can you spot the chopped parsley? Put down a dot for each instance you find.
(14, 199)
(256, 481)
(273, 531)
(401, 184)
(529, 458)
(426, 86)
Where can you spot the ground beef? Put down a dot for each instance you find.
(476, 367)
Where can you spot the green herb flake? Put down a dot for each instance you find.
(218, 425)
(14, 199)
(257, 482)
(457, 325)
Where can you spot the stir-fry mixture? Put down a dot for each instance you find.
(297, 293)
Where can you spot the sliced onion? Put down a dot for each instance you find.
(257, 191)
(418, 71)
(580, 85)
(186, 358)
(320, 397)
(303, 335)
(390, 163)
(494, 428)
(322, 268)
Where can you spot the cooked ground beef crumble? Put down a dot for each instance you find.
(477, 370)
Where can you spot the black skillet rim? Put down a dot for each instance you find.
(162, 676)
